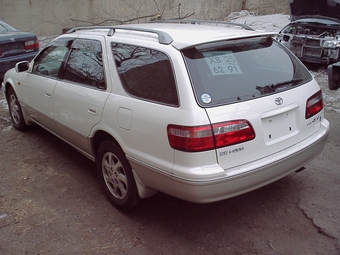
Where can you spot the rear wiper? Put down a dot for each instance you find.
(274, 86)
(292, 82)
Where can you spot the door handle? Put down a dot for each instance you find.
(92, 109)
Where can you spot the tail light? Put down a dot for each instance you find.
(208, 137)
(314, 104)
(32, 45)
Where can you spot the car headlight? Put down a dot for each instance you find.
(331, 43)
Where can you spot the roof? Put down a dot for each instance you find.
(183, 35)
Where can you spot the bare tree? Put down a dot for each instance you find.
(109, 16)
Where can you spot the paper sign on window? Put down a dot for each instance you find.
(222, 62)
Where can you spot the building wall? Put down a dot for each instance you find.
(51, 17)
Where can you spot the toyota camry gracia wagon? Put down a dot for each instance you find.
(201, 112)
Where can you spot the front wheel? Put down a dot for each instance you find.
(15, 110)
(116, 176)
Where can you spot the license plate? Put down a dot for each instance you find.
(279, 127)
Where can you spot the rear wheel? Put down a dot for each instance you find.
(116, 176)
(15, 110)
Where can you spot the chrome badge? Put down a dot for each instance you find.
(278, 101)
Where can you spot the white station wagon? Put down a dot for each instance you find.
(202, 112)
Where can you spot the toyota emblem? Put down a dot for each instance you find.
(278, 101)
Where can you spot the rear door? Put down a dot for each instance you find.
(80, 96)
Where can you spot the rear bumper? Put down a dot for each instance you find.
(8, 63)
(254, 175)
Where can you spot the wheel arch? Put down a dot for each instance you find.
(7, 86)
(101, 136)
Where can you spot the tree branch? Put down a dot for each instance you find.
(116, 20)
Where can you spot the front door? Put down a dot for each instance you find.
(38, 85)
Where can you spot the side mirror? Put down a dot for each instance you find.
(334, 76)
(22, 66)
(286, 38)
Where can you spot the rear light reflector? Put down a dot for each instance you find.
(208, 137)
(314, 104)
(31, 45)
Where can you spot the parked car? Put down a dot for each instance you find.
(314, 32)
(15, 46)
(196, 111)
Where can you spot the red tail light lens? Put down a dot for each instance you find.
(208, 137)
(314, 104)
(31, 45)
(233, 132)
(191, 138)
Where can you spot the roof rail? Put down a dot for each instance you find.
(198, 22)
(163, 37)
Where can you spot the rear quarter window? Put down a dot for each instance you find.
(146, 73)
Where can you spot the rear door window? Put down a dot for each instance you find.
(85, 64)
(234, 71)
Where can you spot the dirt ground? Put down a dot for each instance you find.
(51, 203)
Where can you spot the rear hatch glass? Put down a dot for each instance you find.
(239, 70)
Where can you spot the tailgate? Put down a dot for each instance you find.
(278, 121)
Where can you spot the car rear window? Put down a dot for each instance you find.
(234, 71)
(4, 27)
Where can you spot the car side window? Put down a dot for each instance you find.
(85, 64)
(49, 61)
(146, 73)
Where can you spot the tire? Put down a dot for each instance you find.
(115, 175)
(15, 110)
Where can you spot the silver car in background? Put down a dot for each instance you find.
(314, 32)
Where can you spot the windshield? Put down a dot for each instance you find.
(235, 71)
(303, 8)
